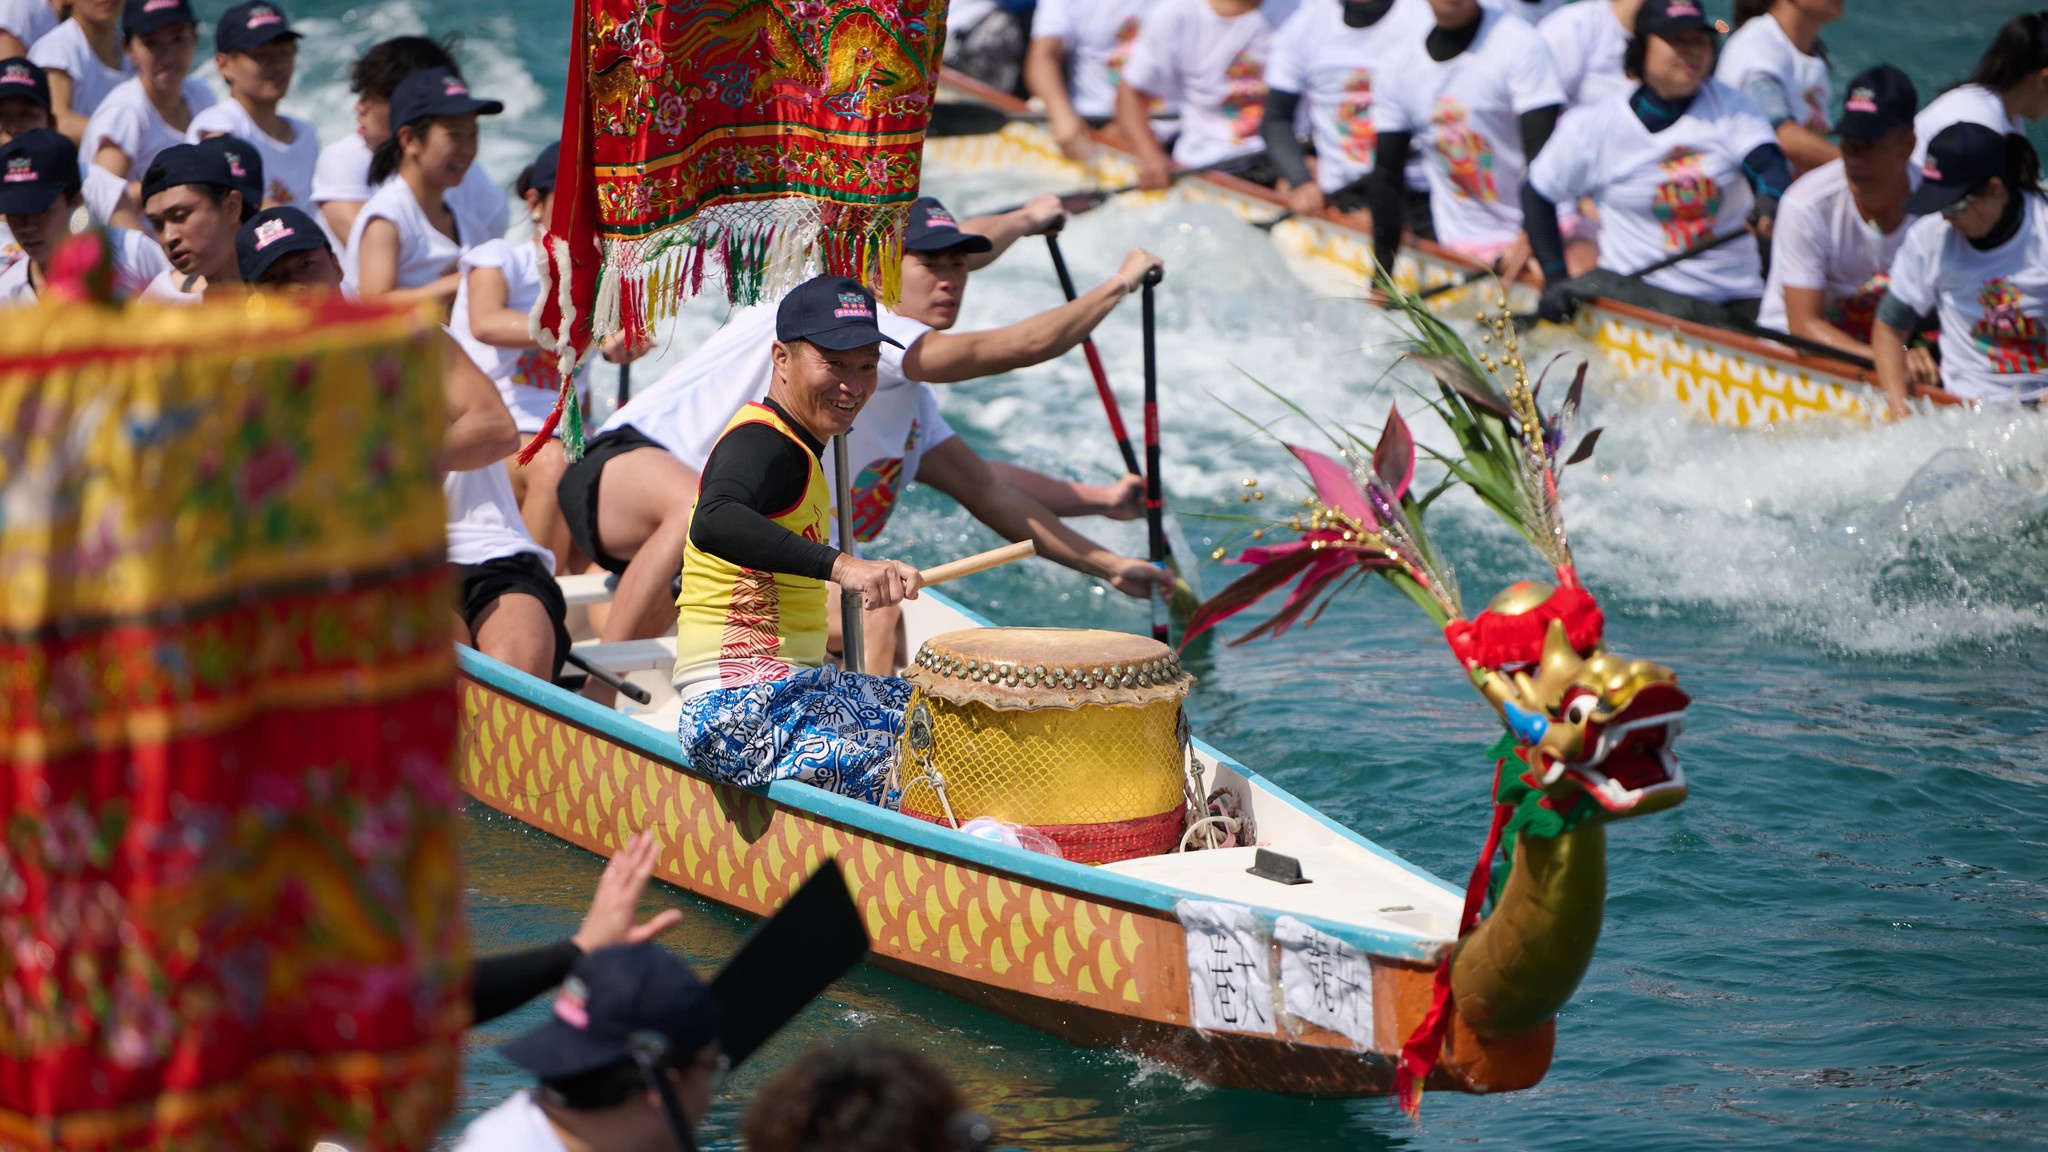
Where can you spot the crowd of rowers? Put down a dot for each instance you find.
(1594, 140)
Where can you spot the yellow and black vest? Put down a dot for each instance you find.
(738, 626)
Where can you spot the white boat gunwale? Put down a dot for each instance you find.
(1103, 883)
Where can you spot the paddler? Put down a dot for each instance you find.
(42, 193)
(194, 201)
(759, 701)
(627, 500)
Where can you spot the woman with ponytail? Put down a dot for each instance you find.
(406, 242)
(1978, 258)
(2008, 87)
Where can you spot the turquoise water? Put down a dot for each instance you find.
(1841, 939)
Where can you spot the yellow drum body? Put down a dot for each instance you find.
(1076, 733)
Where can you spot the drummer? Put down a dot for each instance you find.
(759, 701)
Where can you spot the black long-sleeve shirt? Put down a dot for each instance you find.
(756, 473)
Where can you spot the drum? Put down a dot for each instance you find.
(1078, 734)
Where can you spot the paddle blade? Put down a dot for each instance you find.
(813, 939)
(953, 118)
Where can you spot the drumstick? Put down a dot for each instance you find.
(979, 562)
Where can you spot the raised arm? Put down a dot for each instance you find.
(950, 357)
(1123, 500)
(1041, 214)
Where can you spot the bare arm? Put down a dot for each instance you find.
(1045, 76)
(1806, 316)
(11, 47)
(1889, 344)
(1123, 500)
(491, 320)
(127, 215)
(1134, 119)
(1039, 215)
(377, 270)
(480, 429)
(341, 216)
(1804, 147)
(68, 122)
(950, 357)
(112, 158)
(958, 471)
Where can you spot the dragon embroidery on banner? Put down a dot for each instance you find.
(1589, 732)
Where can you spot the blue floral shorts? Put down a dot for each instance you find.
(839, 730)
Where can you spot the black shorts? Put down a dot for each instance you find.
(477, 585)
(577, 492)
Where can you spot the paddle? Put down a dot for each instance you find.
(1455, 283)
(1155, 504)
(1076, 203)
(979, 562)
(852, 644)
(610, 679)
(625, 384)
(816, 937)
(1088, 349)
(1527, 320)
(961, 118)
(1805, 345)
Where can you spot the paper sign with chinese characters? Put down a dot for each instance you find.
(1230, 967)
(1324, 980)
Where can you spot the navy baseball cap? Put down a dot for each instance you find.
(1960, 158)
(436, 92)
(542, 177)
(1671, 17)
(933, 229)
(272, 233)
(251, 25)
(1880, 100)
(611, 994)
(244, 162)
(35, 168)
(183, 164)
(833, 312)
(19, 76)
(141, 17)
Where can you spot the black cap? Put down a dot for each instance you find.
(933, 229)
(183, 164)
(541, 177)
(436, 92)
(251, 25)
(20, 76)
(610, 995)
(1880, 100)
(272, 233)
(832, 312)
(35, 168)
(245, 164)
(141, 17)
(1960, 158)
(1671, 17)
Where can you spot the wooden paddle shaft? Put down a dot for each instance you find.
(979, 562)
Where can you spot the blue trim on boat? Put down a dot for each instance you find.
(1081, 878)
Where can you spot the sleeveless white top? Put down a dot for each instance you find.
(483, 518)
(425, 254)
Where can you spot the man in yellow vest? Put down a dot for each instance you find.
(759, 701)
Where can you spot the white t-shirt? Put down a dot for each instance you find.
(483, 518)
(1532, 12)
(1760, 50)
(1993, 305)
(27, 20)
(131, 123)
(137, 261)
(688, 408)
(287, 168)
(1336, 69)
(1662, 193)
(66, 50)
(169, 288)
(102, 192)
(425, 253)
(1820, 241)
(1464, 114)
(517, 1125)
(343, 173)
(1213, 69)
(1587, 44)
(529, 379)
(1964, 104)
(1099, 35)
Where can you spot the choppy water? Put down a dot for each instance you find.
(1841, 939)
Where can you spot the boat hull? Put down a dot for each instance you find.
(1092, 958)
(1718, 377)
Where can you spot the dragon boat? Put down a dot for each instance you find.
(1718, 376)
(1258, 944)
